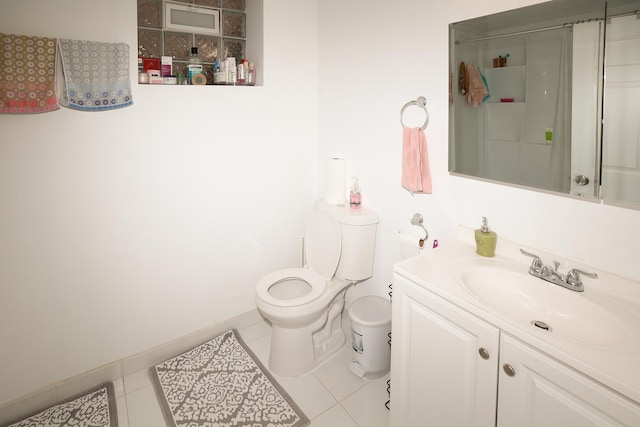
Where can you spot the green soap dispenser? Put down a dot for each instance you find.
(486, 240)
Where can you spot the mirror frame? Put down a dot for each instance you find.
(529, 19)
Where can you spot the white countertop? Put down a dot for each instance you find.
(615, 364)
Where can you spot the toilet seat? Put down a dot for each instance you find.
(322, 247)
(317, 283)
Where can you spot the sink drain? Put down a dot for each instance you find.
(540, 324)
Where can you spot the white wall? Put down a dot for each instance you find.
(123, 230)
(126, 229)
(374, 57)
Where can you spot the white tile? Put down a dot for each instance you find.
(308, 393)
(255, 331)
(260, 348)
(137, 380)
(336, 375)
(367, 405)
(118, 388)
(336, 416)
(123, 419)
(332, 396)
(143, 408)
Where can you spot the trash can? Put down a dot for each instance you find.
(370, 333)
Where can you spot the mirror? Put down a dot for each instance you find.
(621, 117)
(530, 106)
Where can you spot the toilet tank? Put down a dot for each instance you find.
(358, 239)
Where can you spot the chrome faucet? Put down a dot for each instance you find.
(546, 271)
(572, 280)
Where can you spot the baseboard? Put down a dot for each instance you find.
(54, 393)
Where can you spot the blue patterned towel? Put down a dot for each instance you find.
(95, 75)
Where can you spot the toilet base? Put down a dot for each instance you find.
(297, 351)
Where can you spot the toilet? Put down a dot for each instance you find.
(304, 305)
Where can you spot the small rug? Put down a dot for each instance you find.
(93, 408)
(221, 383)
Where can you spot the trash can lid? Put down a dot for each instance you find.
(370, 311)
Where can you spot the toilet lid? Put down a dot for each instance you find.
(323, 245)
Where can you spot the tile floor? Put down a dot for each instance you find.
(331, 396)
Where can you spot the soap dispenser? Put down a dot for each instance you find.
(486, 240)
(355, 198)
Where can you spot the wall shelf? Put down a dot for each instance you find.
(507, 82)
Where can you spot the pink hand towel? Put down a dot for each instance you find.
(416, 175)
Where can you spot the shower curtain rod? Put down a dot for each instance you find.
(555, 27)
(519, 33)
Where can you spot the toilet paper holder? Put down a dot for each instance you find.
(418, 221)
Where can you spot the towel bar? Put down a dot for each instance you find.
(420, 102)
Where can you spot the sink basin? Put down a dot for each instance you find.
(509, 290)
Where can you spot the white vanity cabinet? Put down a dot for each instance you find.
(536, 390)
(451, 368)
(438, 376)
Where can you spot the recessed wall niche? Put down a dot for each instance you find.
(240, 35)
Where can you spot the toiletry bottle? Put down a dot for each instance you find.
(230, 68)
(354, 194)
(243, 71)
(194, 66)
(221, 74)
(252, 74)
(486, 240)
(166, 66)
(240, 73)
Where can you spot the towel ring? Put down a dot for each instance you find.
(420, 102)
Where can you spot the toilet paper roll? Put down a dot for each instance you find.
(409, 245)
(335, 182)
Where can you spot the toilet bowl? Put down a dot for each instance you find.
(304, 305)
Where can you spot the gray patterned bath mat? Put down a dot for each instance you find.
(221, 383)
(93, 408)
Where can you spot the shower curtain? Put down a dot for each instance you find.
(560, 157)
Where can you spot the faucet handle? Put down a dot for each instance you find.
(537, 263)
(573, 276)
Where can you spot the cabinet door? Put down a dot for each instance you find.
(546, 393)
(438, 376)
